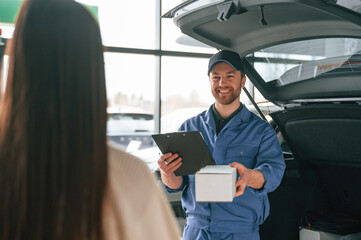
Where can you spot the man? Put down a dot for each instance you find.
(237, 137)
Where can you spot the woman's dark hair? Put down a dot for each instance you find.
(53, 155)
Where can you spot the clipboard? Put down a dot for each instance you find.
(190, 146)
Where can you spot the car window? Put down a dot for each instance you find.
(292, 62)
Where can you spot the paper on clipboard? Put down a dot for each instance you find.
(190, 146)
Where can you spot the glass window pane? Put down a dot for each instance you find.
(309, 59)
(128, 23)
(131, 93)
(258, 97)
(271, 71)
(185, 90)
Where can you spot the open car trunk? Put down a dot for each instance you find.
(323, 176)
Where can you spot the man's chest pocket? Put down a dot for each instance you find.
(242, 153)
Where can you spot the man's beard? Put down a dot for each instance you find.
(226, 100)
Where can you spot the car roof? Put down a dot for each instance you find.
(247, 26)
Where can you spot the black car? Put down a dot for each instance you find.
(304, 56)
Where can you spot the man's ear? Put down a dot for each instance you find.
(243, 81)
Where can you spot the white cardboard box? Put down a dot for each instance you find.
(215, 183)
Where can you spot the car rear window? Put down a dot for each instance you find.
(292, 62)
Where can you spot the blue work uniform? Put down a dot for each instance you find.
(246, 139)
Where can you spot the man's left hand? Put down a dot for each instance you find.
(244, 178)
(247, 177)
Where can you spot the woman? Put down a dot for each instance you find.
(57, 179)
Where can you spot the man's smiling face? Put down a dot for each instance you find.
(226, 83)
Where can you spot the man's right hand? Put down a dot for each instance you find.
(168, 163)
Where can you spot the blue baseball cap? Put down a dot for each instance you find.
(232, 58)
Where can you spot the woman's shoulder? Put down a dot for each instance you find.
(130, 185)
(135, 202)
(117, 156)
(123, 165)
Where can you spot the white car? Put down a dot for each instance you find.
(131, 128)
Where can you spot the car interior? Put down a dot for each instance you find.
(322, 175)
